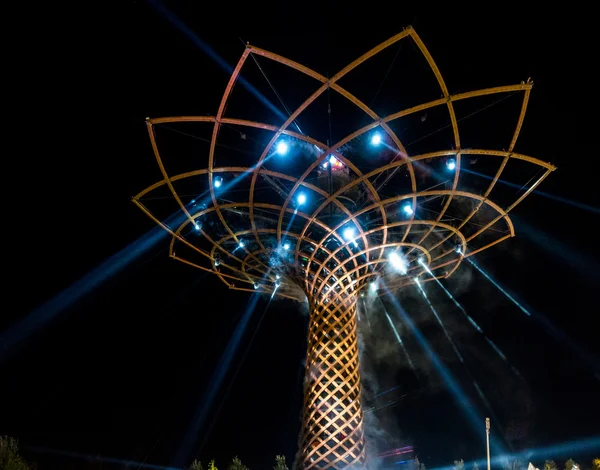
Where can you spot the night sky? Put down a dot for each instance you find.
(119, 372)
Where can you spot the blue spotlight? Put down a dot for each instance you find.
(218, 181)
(373, 286)
(241, 244)
(458, 249)
(349, 233)
(397, 262)
(198, 225)
(282, 148)
(286, 246)
(407, 208)
(451, 164)
(256, 286)
(217, 262)
(301, 199)
(376, 139)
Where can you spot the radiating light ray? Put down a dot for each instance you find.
(457, 352)
(474, 323)
(439, 320)
(412, 366)
(367, 316)
(214, 384)
(508, 296)
(388, 404)
(38, 318)
(397, 451)
(579, 205)
(398, 338)
(192, 36)
(469, 409)
(225, 394)
(556, 248)
(556, 332)
(95, 458)
(405, 461)
(387, 391)
(570, 448)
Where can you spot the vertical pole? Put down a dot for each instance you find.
(487, 433)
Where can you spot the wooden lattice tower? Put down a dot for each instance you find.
(330, 270)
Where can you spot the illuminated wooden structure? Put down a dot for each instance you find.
(331, 277)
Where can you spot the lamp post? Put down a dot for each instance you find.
(487, 435)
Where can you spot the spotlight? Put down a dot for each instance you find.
(286, 246)
(301, 199)
(277, 284)
(198, 225)
(349, 234)
(458, 249)
(451, 164)
(241, 244)
(277, 276)
(256, 285)
(397, 262)
(282, 148)
(332, 159)
(407, 208)
(218, 181)
(373, 286)
(217, 261)
(376, 139)
(421, 260)
(325, 165)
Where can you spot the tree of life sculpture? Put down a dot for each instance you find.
(304, 240)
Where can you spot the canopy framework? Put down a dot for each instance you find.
(298, 247)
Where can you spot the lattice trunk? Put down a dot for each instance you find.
(332, 432)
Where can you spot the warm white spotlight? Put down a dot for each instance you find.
(241, 244)
(332, 159)
(451, 164)
(301, 199)
(282, 148)
(286, 246)
(349, 234)
(376, 139)
(407, 208)
(218, 181)
(397, 262)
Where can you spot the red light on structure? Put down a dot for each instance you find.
(335, 163)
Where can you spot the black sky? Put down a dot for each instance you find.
(120, 372)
